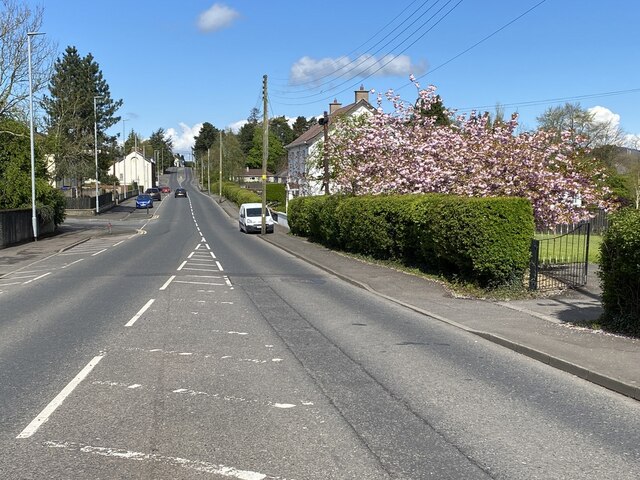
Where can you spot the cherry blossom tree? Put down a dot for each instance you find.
(407, 152)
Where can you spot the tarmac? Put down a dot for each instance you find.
(543, 329)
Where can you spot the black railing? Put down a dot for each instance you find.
(560, 261)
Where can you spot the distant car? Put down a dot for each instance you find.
(165, 189)
(180, 192)
(144, 201)
(154, 192)
(250, 218)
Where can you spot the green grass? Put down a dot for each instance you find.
(566, 248)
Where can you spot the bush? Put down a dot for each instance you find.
(486, 240)
(620, 273)
(239, 195)
(303, 216)
(276, 195)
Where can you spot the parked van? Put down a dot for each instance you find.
(250, 218)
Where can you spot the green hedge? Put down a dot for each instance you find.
(276, 195)
(620, 273)
(239, 195)
(486, 240)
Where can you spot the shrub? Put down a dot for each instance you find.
(620, 273)
(486, 240)
(239, 195)
(276, 194)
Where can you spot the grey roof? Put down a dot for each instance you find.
(316, 130)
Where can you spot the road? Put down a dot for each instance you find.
(180, 348)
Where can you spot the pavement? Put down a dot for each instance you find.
(544, 329)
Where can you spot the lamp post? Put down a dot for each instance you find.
(124, 160)
(34, 218)
(95, 145)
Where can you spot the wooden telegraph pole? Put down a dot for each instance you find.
(265, 153)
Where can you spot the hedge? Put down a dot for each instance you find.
(486, 240)
(239, 195)
(620, 273)
(276, 195)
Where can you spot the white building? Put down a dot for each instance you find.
(135, 168)
(305, 179)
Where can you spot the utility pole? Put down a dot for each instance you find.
(325, 158)
(265, 153)
(209, 170)
(220, 179)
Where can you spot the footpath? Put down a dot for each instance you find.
(539, 328)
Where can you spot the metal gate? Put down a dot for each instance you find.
(560, 261)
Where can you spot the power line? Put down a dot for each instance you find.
(355, 63)
(548, 101)
(367, 41)
(475, 44)
(384, 64)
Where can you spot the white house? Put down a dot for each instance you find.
(305, 179)
(135, 168)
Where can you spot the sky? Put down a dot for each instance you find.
(178, 64)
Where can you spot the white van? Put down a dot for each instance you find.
(250, 218)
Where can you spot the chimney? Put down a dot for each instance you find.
(334, 106)
(362, 94)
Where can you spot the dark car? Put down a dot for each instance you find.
(180, 192)
(165, 189)
(154, 192)
(144, 201)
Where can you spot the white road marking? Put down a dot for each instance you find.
(98, 253)
(7, 284)
(166, 284)
(196, 465)
(140, 313)
(198, 246)
(37, 422)
(37, 278)
(116, 244)
(182, 265)
(191, 254)
(219, 266)
(75, 261)
(207, 245)
(201, 269)
(213, 254)
(227, 281)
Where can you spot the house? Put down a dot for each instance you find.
(254, 175)
(305, 179)
(135, 168)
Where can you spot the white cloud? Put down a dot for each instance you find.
(308, 69)
(604, 115)
(183, 141)
(236, 126)
(217, 17)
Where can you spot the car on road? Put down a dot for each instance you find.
(144, 201)
(250, 218)
(180, 192)
(165, 189)
(154, 192)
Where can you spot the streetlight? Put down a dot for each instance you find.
(34, 219)
(124, 159)
(95, 145)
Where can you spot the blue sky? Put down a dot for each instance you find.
(178, 64)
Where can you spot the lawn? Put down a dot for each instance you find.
(569, 248)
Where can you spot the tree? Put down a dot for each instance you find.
(16, 19)
(15, 174)
(301, 125)
(246, 133)
(581, 126)
(75, 83)
(282, 130)
(387, 153)
(275, 155)
(205, 138)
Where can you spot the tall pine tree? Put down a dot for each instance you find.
(69, 110)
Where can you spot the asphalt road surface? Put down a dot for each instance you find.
(180, 348)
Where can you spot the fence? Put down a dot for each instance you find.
(560, 261)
